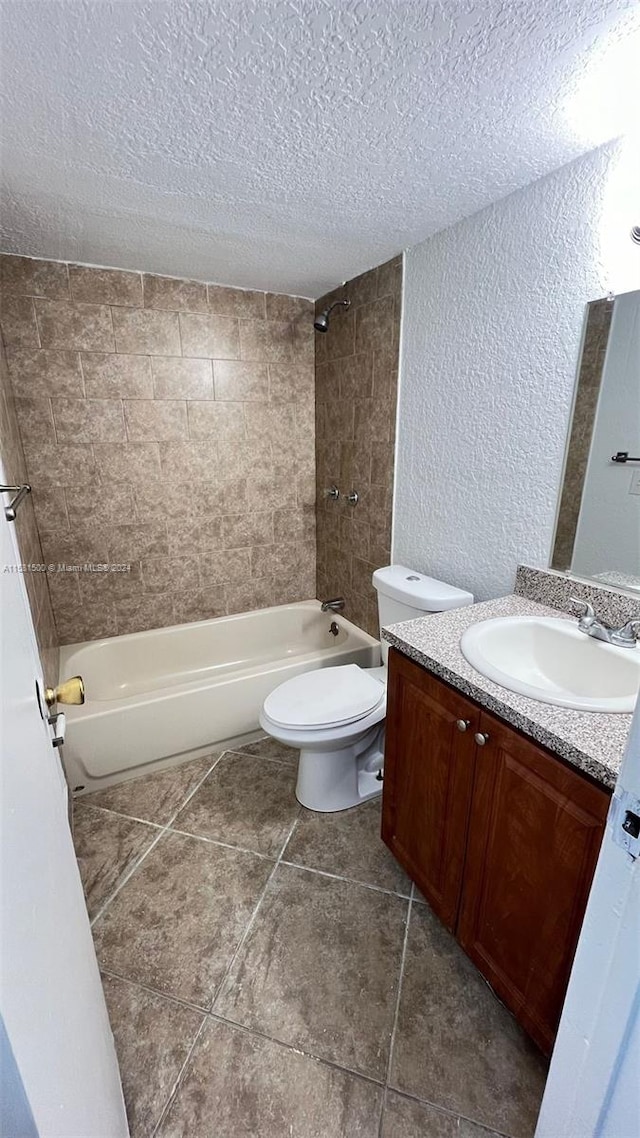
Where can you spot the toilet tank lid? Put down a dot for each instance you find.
(419, 591)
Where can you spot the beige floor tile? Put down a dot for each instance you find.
(153, 1037)
(106, 847)
(245, 802)
(177, 922)
(455, 1044)
(237, 1084)
(347, 843)
(271, 749)
(405, 1118)
(319, 969)
(155, 797)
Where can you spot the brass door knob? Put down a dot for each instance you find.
(70, 691)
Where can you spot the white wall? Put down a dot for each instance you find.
(608, 532)
(493, 312)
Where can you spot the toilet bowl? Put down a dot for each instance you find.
(335, 716)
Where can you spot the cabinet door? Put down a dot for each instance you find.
(534, 834)
(428, 776)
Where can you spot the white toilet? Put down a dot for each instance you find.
(335, 716)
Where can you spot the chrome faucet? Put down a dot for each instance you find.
(335, 605)
(624, 637)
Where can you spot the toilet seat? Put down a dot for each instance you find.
(325, 698)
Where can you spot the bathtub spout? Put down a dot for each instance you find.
(335, 605)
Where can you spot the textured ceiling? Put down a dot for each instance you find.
(288, 144)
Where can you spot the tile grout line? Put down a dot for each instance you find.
(253, 916)
(209, 1012)
(138, 862)
(174, 1090)
(395, 1015)
(347, 880)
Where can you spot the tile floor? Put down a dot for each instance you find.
(270, 973)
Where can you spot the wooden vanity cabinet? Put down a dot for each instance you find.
(501, 837)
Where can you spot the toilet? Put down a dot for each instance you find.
(335, 716)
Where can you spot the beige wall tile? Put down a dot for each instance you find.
(176, 295)
(162, 419)
(18, 322)
(30, 277)
(266, 341)
(239, 381)
(105, 286)
(82, 327)
(217, 568)
(244, 596)
(209, 420)
(204, 603)
(105, 505)
(127, 462)
(163, 357)
(143, 331)
(241, 530)
(166, 574)
(211, 336)
(375, 325)
(137, 541)
(390, 278)
(89, 420)
(59, 465)
(237, 302)
(282, 307)
(39, 373)
(177, 378)
(111, 376)
(136, 614)
(86, 543)
(193, 460)
(35, 419)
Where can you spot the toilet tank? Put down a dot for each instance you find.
(404, 594)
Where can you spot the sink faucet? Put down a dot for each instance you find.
(624, 637)
(335, 605)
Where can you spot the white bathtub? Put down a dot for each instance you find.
(157, 698)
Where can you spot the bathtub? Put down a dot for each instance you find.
(154, 699)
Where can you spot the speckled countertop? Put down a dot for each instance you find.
(591, 741)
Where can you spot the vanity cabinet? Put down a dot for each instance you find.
(500, 836)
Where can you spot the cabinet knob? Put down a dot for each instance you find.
(463, 724)
(481, 738)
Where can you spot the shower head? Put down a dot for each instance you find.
(321, 322)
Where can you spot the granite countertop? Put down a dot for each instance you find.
(592, 741)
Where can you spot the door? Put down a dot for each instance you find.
(534, 834)
(593, 1087)
(428, 778)
(60, 1072)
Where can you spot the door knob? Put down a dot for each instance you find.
(463, 724)
(481, 738)
(70, 691)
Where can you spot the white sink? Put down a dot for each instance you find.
(549, 659)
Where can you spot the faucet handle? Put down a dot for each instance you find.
(626, 636)
(587, 614)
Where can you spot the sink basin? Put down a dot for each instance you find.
(549, 659)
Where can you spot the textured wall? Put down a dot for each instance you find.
(493, 315)
(356, 395)
(27, 531)
(169, 425)
(285, 144)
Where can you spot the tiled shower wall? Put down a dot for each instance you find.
(356, 396)
(167, 425)
(26, 530)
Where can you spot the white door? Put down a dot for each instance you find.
(593, 1089)
(59, 1069)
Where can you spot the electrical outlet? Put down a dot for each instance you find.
(634, 485)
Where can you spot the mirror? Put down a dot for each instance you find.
(598, 525)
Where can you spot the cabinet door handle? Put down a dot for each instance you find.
(463, 724)
(481, 738)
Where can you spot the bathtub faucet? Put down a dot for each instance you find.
(335, 605)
